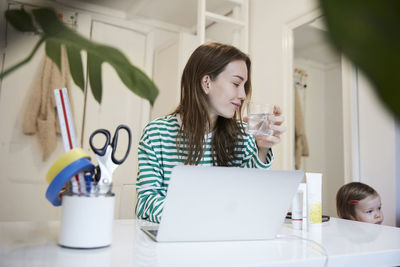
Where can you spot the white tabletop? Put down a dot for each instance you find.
(347, 243)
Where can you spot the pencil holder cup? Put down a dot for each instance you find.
(87, 221)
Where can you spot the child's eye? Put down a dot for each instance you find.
(379, 208)
(236, 84)
(369, 211)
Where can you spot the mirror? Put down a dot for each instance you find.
(317, 79)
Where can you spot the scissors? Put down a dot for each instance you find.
(106, 157)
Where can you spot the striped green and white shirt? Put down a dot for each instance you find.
(157, 155)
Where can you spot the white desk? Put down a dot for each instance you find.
(347, 243)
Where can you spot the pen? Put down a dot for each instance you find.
(88, 182)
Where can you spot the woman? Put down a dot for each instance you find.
(205, 129)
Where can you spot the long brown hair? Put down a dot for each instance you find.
(348, 196)
(208, 59)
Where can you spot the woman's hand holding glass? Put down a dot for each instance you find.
(266, 141)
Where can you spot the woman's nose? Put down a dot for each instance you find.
(242, 93)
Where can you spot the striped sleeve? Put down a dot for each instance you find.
(251, 159)
(149, 185)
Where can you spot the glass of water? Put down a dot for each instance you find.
(257, 114)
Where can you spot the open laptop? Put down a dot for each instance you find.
(225, 203)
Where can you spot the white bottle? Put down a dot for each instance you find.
(314, 199)
(297, 209)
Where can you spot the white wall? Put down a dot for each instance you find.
(321, 103)
(22, 183)
(266, 48)
(269, 21)
(138, 41)
(313, 105)
(334, 153)
(22, 179)
(169, 61)
(378, 149)
(397, 163)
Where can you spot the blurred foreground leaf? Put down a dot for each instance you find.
(367, 32)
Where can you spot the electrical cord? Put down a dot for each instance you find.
(325, 218)
(323, 251)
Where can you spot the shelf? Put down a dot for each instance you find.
(223, 19)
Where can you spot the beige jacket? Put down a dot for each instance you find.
(40, 115)
(301, 146)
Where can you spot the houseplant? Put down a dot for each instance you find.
(53, 33)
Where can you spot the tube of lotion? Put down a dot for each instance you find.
(297, 208)
(314, 206)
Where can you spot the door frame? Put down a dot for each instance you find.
(351, 149)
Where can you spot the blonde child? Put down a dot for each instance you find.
(359, 202)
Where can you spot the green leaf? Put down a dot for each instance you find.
(23, 62)
(367, 32)
(48, 21)
(76, 68)
(20, 20)
(132, 77)
(55, 32)
(94, 73)
(53, 51)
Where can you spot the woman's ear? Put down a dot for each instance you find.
(205, 84)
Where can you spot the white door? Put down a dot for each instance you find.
(22, 170)
(119, 106)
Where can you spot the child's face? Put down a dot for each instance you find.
(369, 210)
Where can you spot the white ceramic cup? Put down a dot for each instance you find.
(86, 221)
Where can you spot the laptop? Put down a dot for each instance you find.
(225, 204)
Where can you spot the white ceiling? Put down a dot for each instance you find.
(182, 13)
(309, 39)
(179, 12)
(310, 43)
(120, 5)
